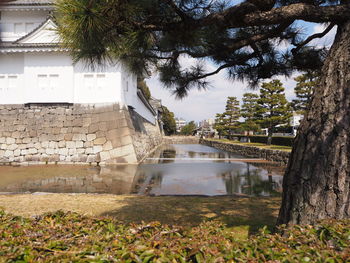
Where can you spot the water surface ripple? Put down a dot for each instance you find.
(180, 169)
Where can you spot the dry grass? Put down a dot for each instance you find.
(243, 215)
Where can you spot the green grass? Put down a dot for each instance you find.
(254, 144)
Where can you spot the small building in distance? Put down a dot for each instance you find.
(180, 123)
(206, 128)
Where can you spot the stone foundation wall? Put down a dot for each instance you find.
(280, 157)
(181, 139)
(147, 136)
(79, 133)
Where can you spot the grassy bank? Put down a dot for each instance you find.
(259, 145)
(243, 215)
(70, 237)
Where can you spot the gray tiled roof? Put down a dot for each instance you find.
(29, 2)
(20, 45)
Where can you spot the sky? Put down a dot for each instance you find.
(200, 105)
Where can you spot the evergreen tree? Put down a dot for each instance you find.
(188, 129)
(248, 112)
(220, 124)
(241, 37)
(273, 108)
(306, 84)
(168, 119)
(231, 115)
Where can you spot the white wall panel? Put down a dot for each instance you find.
(98, 85)
(48, 77)
(11, 79)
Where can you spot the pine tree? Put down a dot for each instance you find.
(220, 124)
(306, 84)
(248, 112)
(273, 108)
(241, 37)
(231, 115)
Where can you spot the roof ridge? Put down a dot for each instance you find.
(35, 29)
(28, 2)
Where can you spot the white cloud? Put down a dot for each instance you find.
(199, 105)
(325, 41)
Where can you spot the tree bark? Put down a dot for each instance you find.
(269, 136)
(317, 180)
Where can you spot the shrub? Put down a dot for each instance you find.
(283, 141)
(70, 237)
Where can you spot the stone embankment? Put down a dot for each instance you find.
(181, 139)
(278, 156)
(79, 133)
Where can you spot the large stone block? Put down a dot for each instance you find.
(100, 141)
(12, 147)
(68, 137)
(97, 149)
(53, 144)
(63, 151)
(32, 151)
(17, 153)
(115, 153)
(91, 137)
(70, 145)
(50, 151)
(87, 122)
(3, 146)
(79, 144)
(93, 128)
(108, 146)
(102, 126)
(126, 140)
(8, 153)
(105, 156)
(79, 137)
(128, 149)
(10, 140)
(89, 150)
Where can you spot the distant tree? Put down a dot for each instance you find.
(306, 84)
(188, 129)
(141, 84)
(248, 112)
(168, 119)
(273, 108)
(231, 114)
(219, 124)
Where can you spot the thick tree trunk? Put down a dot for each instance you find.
(317, 180)
(269, 136)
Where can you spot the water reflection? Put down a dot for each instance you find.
(171, 170)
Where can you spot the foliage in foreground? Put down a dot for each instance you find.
(69, 236)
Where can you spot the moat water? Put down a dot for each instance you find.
(181, 169)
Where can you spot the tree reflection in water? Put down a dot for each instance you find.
(144, 184)
(173, 170)
(253, 182)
